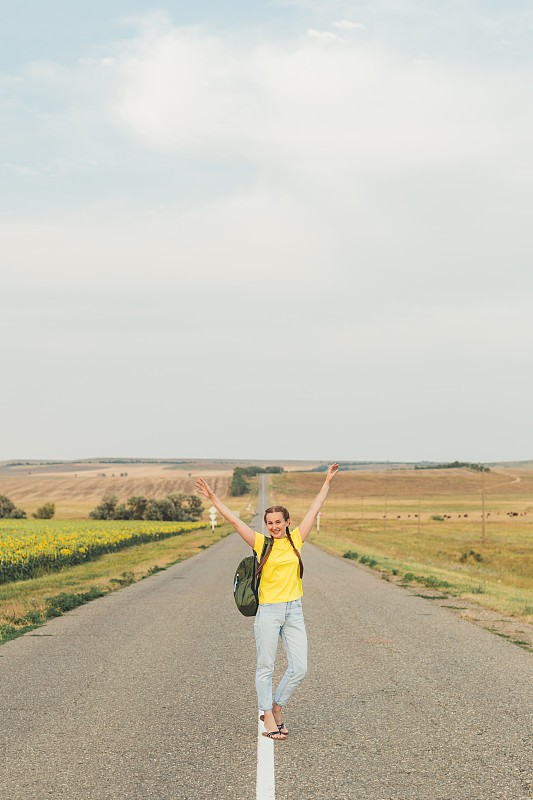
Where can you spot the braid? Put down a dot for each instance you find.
(297, 553)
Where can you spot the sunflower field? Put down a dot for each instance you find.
(29, 548)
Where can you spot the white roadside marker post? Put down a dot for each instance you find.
(213, 517)
(318, 522)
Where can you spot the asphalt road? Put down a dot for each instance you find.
(149, 693)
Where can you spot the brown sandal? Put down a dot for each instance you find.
(275, 735)
(280, 726)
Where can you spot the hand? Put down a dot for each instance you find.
(332, 471)
(202, 487)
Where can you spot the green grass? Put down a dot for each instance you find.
(500, 580)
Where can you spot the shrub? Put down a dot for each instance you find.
(455, 465)
(55, 606)
(432, 582)
(45, 511)
(173, 508)
(125, 580)
(33, 616)
(160, 509)
(9, 510)
(465, 555)
(426, 580)
(437, 518)
(368, 560)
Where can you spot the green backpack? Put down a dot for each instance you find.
(246, 582)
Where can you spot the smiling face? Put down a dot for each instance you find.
(276, 524)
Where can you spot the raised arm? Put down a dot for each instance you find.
(202, 487)
(309, 520)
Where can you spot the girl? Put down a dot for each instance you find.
(280, 600)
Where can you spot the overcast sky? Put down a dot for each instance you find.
(286, 229)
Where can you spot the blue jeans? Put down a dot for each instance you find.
(285, 620)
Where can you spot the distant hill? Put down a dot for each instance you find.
(511, 464)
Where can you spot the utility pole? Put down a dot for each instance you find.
(483, 505)
(419, 510)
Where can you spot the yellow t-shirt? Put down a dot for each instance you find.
(280, 578)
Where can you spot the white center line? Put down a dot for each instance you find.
(265, 789)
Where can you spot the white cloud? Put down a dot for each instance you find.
(357, 107)
(346, 25)
(322, 36)
(358, 161)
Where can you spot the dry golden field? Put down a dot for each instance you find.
(75, 494)
(376, 515)
(77, 488)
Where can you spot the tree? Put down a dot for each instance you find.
(9, 510)
(188, 506)
(137, 505)
(45, 511)
(106, 509)
(122, 512)
(193, 506)
(251, 471)
(163, 509)
(238, 484)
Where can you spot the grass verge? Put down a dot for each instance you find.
(28, 604)
(468, 581)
